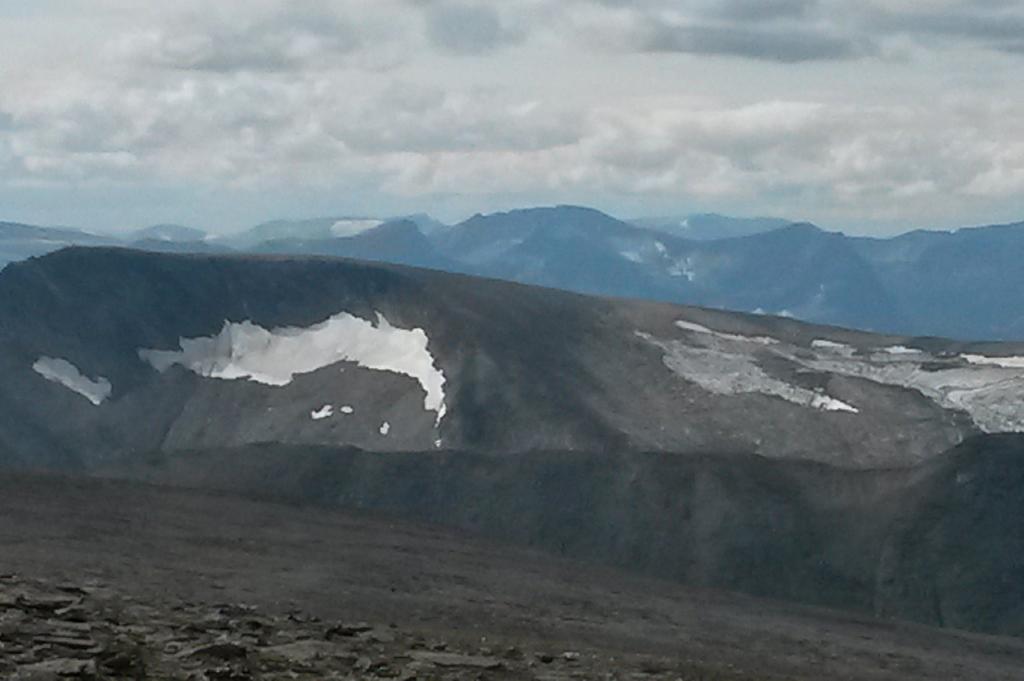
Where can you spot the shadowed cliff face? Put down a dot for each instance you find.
(185, 342)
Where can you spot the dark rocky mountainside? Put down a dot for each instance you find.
(942, 543)
(741, 451)
(106, 352)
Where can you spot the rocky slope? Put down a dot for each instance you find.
(941, 543)
(106, 352)
(139, 582)
(740, 451)
(92, 632)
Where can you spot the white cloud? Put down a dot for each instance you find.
(467, 28)
(681, 103)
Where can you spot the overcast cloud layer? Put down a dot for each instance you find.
(872, 116)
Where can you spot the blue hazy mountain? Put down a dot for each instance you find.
(19, 241)
(397, 241)
(967, 283)
(168, 232)
(710, 226)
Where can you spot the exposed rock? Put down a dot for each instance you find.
(60, 668)
(456, 660)
(225, 650)
(347, 630)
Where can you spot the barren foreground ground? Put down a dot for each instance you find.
(121, 580)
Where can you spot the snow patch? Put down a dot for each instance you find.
(244, 350)
(352, 227)
(833, 347)
(68, 375)
(989, 389)
(832, 404)
(385, 428)
(324, 412)
(900, 350)
(683, 268)
(824, 344)
(347, 410)
(660, 247)
(726, 372)
(690, 326)
(631, 256)
(697, 328)
(1004, 362)
(991, 394)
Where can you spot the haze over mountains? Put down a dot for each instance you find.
(960, 284)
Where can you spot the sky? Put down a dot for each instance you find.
(869, 116)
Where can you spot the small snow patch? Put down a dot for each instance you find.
(683, 268)
(900, 350)
(324, 412)
(826, 403)
(385, 428)
(631, 256)
(697, 328)
(690, 326)
(352, 227)
(347, 410)
(833, 347)
(68, 375)
(1002, 362)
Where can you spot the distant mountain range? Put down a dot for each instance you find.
(18, 241)
(711, 226)
(962, 284)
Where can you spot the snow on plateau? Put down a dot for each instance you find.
(1004, 362)
(244, 350)
(989, 389)
(68, 375)
(697, 328)
(727, 369)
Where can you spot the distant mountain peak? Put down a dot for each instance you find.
(711, 226)
(168, 232)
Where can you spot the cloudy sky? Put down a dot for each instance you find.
(871, 116)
